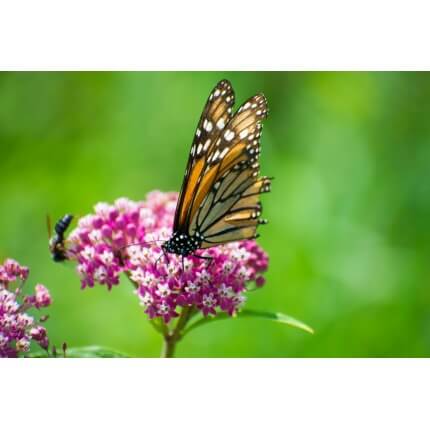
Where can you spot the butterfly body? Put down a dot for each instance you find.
(219, 198)
(182, 244)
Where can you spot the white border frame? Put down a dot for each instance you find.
(221, 35)
(216, 393)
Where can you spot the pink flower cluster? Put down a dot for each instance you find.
(17, 328)
(114, 239)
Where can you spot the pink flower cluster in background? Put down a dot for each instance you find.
(17, 328)
(101, 247)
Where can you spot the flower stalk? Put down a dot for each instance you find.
(171, 338)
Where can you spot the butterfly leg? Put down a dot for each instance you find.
(203, 257)
(160, 257)
(182, 275)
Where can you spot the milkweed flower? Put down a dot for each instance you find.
(17, 327)
(126, 237)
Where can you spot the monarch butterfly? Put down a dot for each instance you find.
(219, 199)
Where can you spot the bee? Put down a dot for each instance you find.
(56, 243)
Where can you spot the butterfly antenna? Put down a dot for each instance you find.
(142, 243)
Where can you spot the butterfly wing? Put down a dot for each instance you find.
(216, 114)
(220, 194)
(231, 209)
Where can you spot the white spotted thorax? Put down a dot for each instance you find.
(181, 244)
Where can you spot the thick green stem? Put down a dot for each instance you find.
(168, 347)
(171, 338)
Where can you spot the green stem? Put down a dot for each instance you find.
(171, 338)
(168, 348)
(158, 326)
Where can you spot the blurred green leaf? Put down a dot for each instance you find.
(277, 317)
(273, 316)
(84, 352)
(94, 352)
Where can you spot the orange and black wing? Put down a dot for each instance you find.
(216, 114)
(231, 210)
(224, 202)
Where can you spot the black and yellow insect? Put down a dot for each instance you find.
(56, 243)
(219, 200)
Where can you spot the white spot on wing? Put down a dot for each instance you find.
(208, 127)
(229, 135)
(243, 133)
(206, 145)
(223, 152)
(221, 123)
(215, 156)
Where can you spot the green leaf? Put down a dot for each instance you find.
(273, 316)
(277, 317)
(37, 354)
(94, 352)
(83, 352)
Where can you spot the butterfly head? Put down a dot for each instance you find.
(182, 244)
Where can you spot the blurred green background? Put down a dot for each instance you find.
(349, 233)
